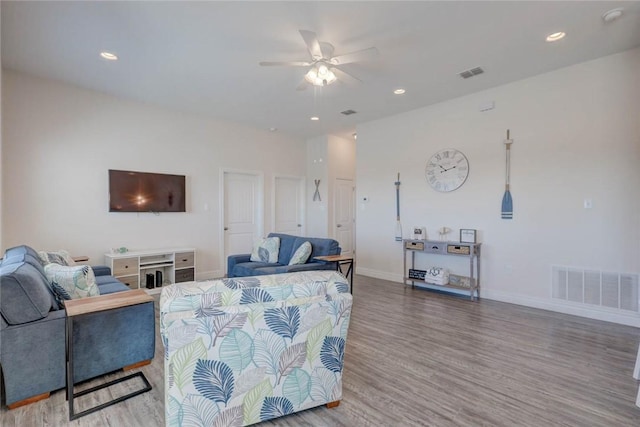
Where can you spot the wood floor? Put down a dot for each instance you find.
(418, 358)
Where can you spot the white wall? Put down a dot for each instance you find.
(577, 136)
(61, 140)
(317, 155)
(328, 157)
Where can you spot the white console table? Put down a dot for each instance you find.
(469, 250)
(176, 265)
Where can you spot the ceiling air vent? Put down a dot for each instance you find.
(348, 112)
(471, 72)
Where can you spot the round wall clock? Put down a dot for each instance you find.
(447, 170)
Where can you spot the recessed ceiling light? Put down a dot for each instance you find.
(612, 15)
(355, 135)
(556, 36)
(108, 55)
(399, 91)
(273, 129)
(315, 118)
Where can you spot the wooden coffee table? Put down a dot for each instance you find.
(341, 260)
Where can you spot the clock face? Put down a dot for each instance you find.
(447, 170)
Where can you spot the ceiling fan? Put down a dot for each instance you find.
(324, 68)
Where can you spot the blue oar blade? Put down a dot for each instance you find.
(507, 206)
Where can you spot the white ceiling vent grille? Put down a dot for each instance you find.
(606, 289)
(471, 72)
(348, 112)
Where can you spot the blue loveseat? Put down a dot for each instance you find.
(242, 266)
(32, 331)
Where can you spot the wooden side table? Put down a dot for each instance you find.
(341, 260)
(79, 307)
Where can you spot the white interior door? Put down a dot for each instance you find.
(288, 205)
(242, 212)
(344, 215)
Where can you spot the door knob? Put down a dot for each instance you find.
(299, 225)
(339, 225)
(226, 228)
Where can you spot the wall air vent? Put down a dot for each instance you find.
(613, 290)
(348, 112)
(471, 72)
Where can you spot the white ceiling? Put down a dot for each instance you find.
(202, 57)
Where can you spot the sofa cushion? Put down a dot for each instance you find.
(21, 250)
(319, 246)
(61, 257)
(19, 257)
(103, 280)
(286, 247)
(112, 287)
(266, 250)
(301, 255)
(72, 282)
(276, 269)
(248, 268)
(25, 293)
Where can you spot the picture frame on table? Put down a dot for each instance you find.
(468, 235)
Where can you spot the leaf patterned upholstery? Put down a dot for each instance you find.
(244, 350)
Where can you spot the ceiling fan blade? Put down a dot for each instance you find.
(357, 56)
(311, 40)
(285, 63)
(344, 76)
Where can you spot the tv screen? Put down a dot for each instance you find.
(131, 191)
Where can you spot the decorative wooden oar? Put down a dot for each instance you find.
(398, 224)
(507, 201)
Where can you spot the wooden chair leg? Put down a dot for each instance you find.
(333, 404)
(137, 365)
(29, 400)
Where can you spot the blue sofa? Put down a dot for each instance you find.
(242, 266)
(32, 331)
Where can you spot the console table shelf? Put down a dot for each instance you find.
(174, 266)
(469, 250)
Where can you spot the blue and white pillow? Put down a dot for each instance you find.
(72, 282)
(266, 250)
(301, 255)
(61, 257)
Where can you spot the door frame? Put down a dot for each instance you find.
(260, 208)
(303, 205)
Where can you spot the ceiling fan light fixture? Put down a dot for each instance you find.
(320, 75)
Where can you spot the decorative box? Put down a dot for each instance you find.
(416, 274)
(437, 276)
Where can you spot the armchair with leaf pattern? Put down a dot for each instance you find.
(244, 350)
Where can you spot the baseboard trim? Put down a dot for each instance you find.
(377, 274)
(597, 313)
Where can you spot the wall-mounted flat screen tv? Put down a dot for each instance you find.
(131, 191)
